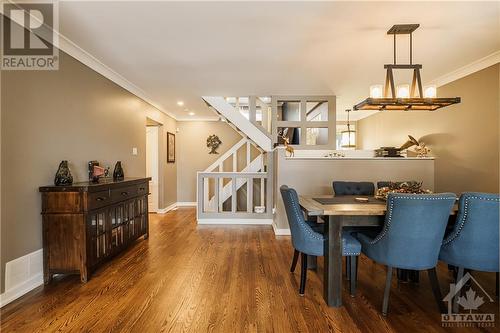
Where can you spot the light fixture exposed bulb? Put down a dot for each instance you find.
(430, 91)
(403, 91)
(376, 91)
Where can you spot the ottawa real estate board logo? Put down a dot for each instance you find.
(28, 37)
(464, 301)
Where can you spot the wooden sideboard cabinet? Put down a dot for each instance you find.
(87, 223)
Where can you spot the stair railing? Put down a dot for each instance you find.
(226, 184)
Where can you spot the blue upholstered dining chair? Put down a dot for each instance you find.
(353, 188)
(411, 238)
(473, 242)
(306, 241)
(341, 188)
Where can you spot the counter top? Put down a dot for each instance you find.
(91, 186)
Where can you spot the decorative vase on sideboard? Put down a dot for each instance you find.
(63, 175)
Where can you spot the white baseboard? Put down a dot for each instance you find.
(281, 232)
(175, 205)
(186, 204)
(236, 221)
(167, 209)
(22, 275)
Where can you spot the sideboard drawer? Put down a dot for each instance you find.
(142, 189)
(98, 199)
(123, 193)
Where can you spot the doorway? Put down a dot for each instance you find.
(152, 164)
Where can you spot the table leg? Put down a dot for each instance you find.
(332, 282)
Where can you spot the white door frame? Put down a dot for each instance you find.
(152, 165)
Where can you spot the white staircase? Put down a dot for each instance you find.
(222, 193)
(259, 134)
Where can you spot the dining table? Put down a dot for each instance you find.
(339, 212)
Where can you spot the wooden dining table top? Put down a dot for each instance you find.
(346, 205)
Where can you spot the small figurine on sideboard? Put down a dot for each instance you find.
(118, 171)
(63, 175)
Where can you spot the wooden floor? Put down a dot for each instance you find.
(189, 278)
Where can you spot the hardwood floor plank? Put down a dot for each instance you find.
(190, 278)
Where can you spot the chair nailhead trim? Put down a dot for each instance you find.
(456, 234)
(391, 206)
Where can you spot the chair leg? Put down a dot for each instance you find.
(460, 275)
(387, 291)
(436, 290)
(294, 260)
(348, 268)
(353, 273)
(303, 273)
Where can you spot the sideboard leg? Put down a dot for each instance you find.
(47, 277)
(84, 275)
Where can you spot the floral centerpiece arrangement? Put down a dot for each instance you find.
(411, 187)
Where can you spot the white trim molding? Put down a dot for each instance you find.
(75, 51)
(473, 67)
(22, 275)
(175, 205)
(281, 232)
(186, 204)
(236, 221)
(66, 45)
(167, 209)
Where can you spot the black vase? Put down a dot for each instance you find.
(118, 172)
(63, 175)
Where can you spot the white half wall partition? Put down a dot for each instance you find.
(311, 174)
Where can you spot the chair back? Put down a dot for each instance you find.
(474, 241)
(414, 228)
(353, 188)
(304, 238)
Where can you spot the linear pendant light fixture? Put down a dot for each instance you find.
(404, 97)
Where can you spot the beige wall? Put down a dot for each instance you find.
(194, 156)
(464, 137)
(71, 114)
(167, 177)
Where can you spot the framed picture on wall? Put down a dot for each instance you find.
(170, 147)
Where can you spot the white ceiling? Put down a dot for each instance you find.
(181, 51)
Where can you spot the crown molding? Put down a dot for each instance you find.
(69, 47)
(471, 68)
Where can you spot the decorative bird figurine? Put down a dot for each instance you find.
(410, 143)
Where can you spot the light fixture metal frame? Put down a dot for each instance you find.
(349, 131)
(415, 102)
